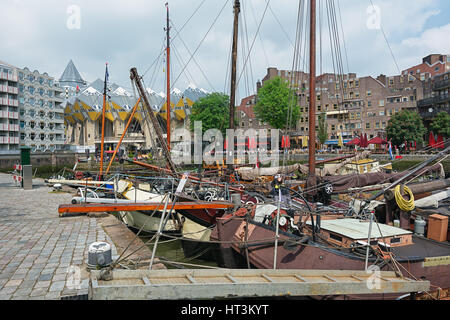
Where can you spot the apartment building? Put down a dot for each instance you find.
(245, 115)
(41, 112)
(436, 98)
(430, 67)
(9, 112)
(353, 105)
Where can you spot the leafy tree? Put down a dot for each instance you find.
(441, 124)
(405, 126)
(213, 111)
(274, 100)
(322, 133)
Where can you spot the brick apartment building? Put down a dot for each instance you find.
(353, 105)
(431, 66)
(436, 98)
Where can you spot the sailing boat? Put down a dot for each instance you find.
(310, 235)
(142, 220)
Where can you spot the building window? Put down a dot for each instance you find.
(367, 125)
(369, 93)
(369, 103)
(381, 103)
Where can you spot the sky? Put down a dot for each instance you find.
(46, 34)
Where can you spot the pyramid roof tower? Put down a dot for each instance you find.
(71, 77)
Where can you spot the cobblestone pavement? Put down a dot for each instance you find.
(41, 255)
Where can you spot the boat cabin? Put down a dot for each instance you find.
(362, 166)
(351, 232)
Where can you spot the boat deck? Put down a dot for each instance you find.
(421, 249)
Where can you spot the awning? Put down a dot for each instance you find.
(335, 142)
(353, 142)
(377, 140)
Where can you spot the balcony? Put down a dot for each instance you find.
(13, 115)
(439, 85)
(432, 111)
(8, 89)
(9, 127)
(9, 102)
(9, 140)
(6, 76)
(433, 101)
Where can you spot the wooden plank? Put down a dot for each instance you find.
(164, 287)
(148, 206)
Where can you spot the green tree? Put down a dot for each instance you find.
(213, 111)
(274, 101)
(405, 126)
(322, 133)
(441, 124)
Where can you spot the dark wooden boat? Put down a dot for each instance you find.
(417, 257)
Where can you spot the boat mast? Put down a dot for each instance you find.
(312, 97)
(237, 10)
(103, 122)
(168, 77)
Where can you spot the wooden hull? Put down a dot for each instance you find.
(195, 241)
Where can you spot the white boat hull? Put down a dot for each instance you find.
(142, 220)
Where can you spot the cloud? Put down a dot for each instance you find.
(430, 41)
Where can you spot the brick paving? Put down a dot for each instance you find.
(38, 250)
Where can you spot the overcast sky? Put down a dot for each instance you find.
(44, 35)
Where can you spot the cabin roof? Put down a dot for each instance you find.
(359, 230)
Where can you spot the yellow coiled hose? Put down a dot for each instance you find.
(404, 205)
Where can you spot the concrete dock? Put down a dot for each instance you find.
(43, 256)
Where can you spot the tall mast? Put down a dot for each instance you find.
(237, 10)
(103, 121)
(312, 96)
(168, 77)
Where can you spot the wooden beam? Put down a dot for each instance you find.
(115, 207)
